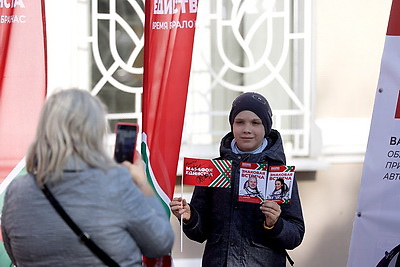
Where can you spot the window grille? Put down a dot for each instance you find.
(247, 45)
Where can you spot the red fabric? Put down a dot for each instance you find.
(165, 261)
(167, 61)
(397, 114)
(22, 79)
(394, 19)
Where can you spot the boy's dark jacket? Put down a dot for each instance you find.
(234, 230)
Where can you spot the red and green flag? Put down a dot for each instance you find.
(168, 45)
(207, 172)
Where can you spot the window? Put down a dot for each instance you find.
(251, 45)
(248, 45)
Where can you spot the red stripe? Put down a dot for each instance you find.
(397, 114)
(220, 183)
(394, 19)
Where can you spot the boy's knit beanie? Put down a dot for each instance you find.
(253, 102)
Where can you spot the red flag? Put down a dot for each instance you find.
(168, 45)
(207, 172)
(22, 77)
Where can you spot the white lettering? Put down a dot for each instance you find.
(173, 6)
(193, 6)
(19, 3)
(12, 3)
(12, 19)
(185, 24)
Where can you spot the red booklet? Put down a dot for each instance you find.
(280, 183)
(207, 172)
(252, 182)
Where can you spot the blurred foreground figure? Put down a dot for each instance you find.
(114, 204)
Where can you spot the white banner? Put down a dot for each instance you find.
(376, 225)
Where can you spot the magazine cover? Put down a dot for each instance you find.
(252, 182)
(279, 185)
(207, 172)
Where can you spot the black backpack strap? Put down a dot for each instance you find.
(83, 237)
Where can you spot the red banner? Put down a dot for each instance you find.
(169, 34)
(22, 77)
(168, 45)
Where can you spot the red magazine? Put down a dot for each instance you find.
(280, 183)
(252, 182)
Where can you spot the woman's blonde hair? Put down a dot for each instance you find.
(72, 124)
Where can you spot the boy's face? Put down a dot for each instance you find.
(248, 131)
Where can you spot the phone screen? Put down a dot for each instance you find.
(125, 142)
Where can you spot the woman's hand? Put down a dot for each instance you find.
(136, 169)
(179, 206)
(272, 211)
(138, 174)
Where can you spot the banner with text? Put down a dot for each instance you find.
(377, 217)
(23, 77)
(168, 45)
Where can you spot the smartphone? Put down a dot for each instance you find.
(125, 141)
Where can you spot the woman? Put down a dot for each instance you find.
(113, 203)
(280, 191)
(241, 233)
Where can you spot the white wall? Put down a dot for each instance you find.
(67, 48)
(349, 39)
